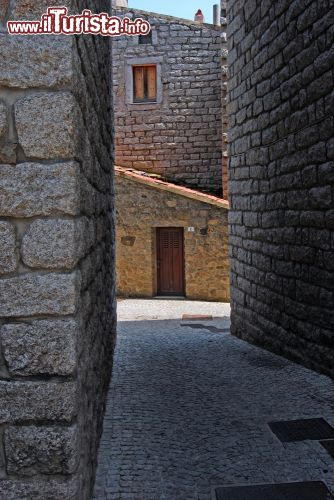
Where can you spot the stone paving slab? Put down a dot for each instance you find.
(143, 310)
(188, 409)
(309, 490)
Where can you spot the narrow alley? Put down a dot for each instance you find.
(189, 408)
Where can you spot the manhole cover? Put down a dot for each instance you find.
(301, 430)
(314, 490)
(329, 446)
(196, 317)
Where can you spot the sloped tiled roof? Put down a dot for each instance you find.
(154, 182)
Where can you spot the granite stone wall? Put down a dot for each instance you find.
(57, 307)
(180, 136)
(224, 52)
(140, 210)
(282, 176)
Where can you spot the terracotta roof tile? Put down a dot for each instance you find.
(153, 181)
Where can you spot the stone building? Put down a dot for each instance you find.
(282, 176)
(168, 100)
(171, 240)
(168, 121)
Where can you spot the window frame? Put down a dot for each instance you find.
(146, 83)
(143, 61)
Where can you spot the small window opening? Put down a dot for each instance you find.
(145, 83)
(145, 39)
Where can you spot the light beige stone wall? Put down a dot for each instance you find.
(140, 210)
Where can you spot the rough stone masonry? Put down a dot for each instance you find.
(141, 208)
(57, 308)
(224, 74)
(281, 59)
(180, 135)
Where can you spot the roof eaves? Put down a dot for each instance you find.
(145, 179)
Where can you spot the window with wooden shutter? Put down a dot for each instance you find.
(145, 83)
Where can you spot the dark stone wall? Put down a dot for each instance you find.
(224, 52)
(98, 277)
(281, 105)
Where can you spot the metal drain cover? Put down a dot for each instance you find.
(315, 429)
(313, 490)
(329, 446)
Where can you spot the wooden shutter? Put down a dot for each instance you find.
(144, 83)
(151, 82)
(138, 83)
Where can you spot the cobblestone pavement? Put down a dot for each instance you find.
(188, 409)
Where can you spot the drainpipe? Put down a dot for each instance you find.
(216, 15)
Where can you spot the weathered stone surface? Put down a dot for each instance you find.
(46, 125)
(39, 489)
(31, 189)
(281, 180)
(2, 456)
(37, 401)
(3, 120)
(59, 89)
(46, 450)
(30, 295)
(179, 136)
(30, 9)
(33, 61)
(8, 153)
(53, 244)
(40, 347)
(141, 209)
(4, 4)
(8, 259)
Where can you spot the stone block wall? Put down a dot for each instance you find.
(57, 307)
(281, 176)
(180, 137)
(140, 210)
(224, 52)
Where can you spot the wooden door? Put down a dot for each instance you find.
(170, 263)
